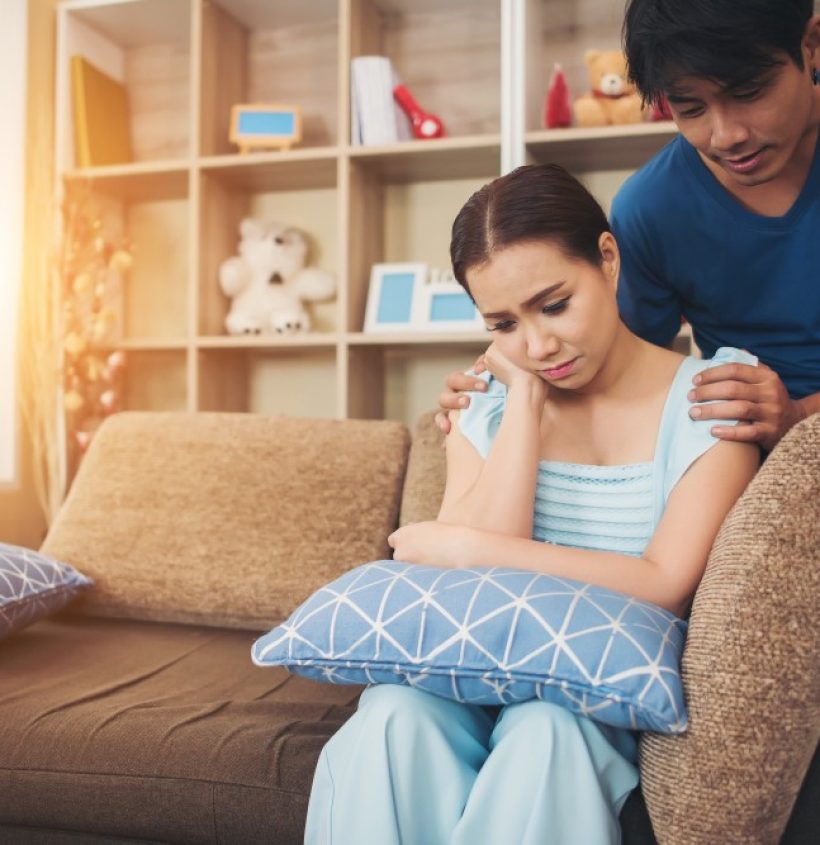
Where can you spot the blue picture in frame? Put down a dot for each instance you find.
(394, 298)
(447, 307)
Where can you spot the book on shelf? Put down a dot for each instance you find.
(100, 111)
(376, 117)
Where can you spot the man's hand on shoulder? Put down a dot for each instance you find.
(453, 398)
(754, 395)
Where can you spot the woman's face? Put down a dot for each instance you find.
(550, 314)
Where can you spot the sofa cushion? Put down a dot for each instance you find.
(158, 732)
(751, 667)
(32, 585)
(270, 509)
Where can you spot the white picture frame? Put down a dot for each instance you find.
(446, 307)
(395, 297)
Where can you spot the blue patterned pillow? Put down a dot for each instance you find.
(32, 585)
(490, 636)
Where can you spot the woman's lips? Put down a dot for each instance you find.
(561, 371)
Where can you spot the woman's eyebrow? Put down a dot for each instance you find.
(529, 303)
(544, 293)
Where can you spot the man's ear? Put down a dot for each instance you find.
(610, 258)
(811, 43)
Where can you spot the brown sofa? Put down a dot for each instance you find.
(137, 715)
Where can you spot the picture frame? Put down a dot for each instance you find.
(395, 297)
(265, 126)
(445, 306)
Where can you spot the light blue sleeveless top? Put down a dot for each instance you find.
(609, 508)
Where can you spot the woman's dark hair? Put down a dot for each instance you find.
(535, 202)
(731, 42)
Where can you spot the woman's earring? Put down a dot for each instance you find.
(815, 76)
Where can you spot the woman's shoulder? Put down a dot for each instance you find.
(683, 439)
(691, 365)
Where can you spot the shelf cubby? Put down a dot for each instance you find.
(295, 192)
(285, 380)
(156, 380)
(254, 51)
(146, 46)
(447, 54)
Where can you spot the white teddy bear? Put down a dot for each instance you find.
(268, 281)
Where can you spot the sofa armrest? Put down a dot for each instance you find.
(750, 667)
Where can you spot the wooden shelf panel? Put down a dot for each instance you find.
(604, 148)
(418, 339)
(283, 171)
(151, 344)
(137, 182)
(297, 341)
(424, 161)
(132, 24)
(262, 14)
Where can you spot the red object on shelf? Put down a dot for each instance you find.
(557, 106)
(425, 125)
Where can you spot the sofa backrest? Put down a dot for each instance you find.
(426, 473)
(227, 519)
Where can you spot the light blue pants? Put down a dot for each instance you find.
(410, 768)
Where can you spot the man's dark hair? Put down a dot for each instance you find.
(535, 203)
(731, 42)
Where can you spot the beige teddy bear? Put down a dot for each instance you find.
(613, 98)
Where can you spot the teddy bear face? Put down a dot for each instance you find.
(608, 73)
(272, 245)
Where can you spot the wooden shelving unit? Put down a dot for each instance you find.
(186, 62)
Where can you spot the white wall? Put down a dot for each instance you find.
(13, 40)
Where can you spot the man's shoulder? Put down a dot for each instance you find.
(655, 185)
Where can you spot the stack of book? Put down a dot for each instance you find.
(375, 116)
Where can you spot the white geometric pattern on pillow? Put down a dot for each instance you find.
(490, 636)
(33, 585)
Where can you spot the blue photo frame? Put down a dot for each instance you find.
(446, 307)
(395, 297)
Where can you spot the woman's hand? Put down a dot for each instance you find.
(436, 544)
(506, 372)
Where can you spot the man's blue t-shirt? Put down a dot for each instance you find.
(689, 249)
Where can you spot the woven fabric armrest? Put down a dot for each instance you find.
(750, 667)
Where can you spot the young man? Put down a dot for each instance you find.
(723, 225)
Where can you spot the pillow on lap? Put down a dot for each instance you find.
(33, 585)
(490, 636)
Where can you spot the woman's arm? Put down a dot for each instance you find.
(498, 494)
(667, 574)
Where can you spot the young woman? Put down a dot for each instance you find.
(578, 460)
